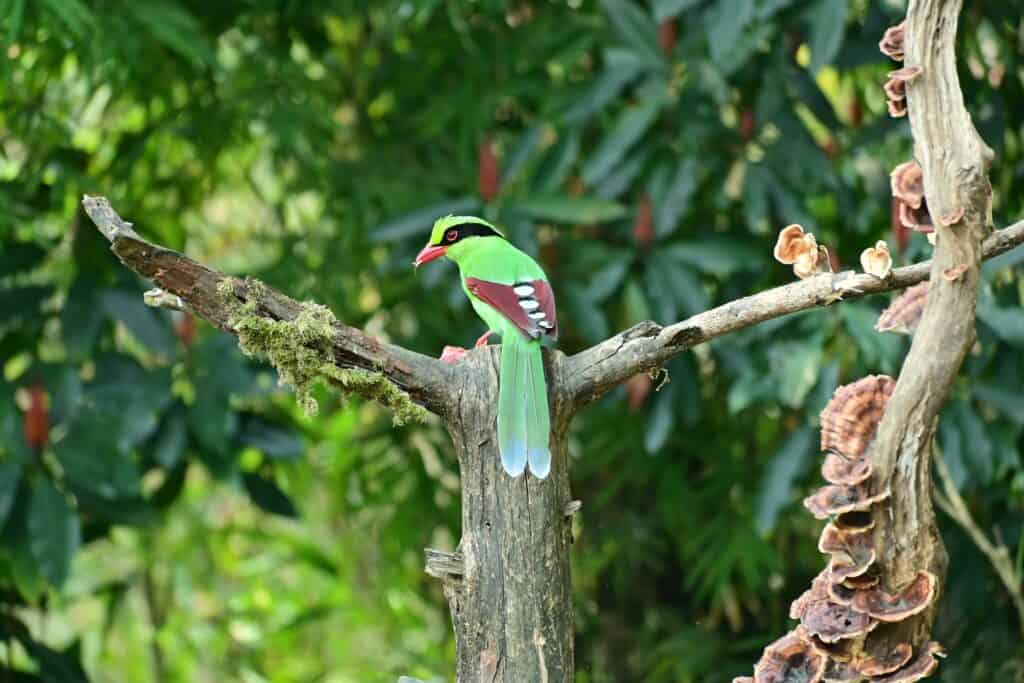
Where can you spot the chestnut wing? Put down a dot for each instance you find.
(529, 305)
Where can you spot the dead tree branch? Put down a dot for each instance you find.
(648, 345)
(955, 163)
(215, 297)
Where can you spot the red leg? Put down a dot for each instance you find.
(453, 354)
(482, 341)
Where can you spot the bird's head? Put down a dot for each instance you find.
(454, 236)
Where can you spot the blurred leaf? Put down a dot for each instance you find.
(795, 367)
(608, 279)
(628, 129)
(22, 303)
(556, 164)
(726, 22)
(588, 318)
(267, 496)
(978, 453)
(173, 26)
(1008, 323)
(213, 424)
(171, 440)
(625, 174)
(54, 666)
(719, 256)
(569, 209)
(145, 323)
(275, 442)
(784, 468)
(54, 534)
(81, 317)
(525, 146)
(20, 256)
(661, 421)
(10, 478)
(420, 221)
(750, 388)
(952, 449)
(1009, 402)
(673, 204)
(828, 24)
(605, 88)
(92, 459)
(666, 9)
(635, 27)
(74, 14)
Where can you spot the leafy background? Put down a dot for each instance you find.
(169, 515)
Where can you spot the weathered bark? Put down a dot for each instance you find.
(508, 586)
(955, 163)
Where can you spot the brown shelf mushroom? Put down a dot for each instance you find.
(854, 522)
(839, 469)
(849, 421)
(789, 659)
(832, 500)
(851, 567)
(836, 540)
(921, 667)
(891, 44)
(833, 622)
(880, 666)
(905, 311)
(907, 185)
(913, 599)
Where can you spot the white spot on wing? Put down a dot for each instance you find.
(546, 324)
(529, 304)
(537, 315)
(523, 290)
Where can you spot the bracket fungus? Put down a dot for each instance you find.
(839, 469)
(920, 667)
(846, 601)
(876, 260)
(790, 659)
(880, 666)
(954, 273)
(913, 599)
(896, 89)
(907, 185)
(905, 311)
(891, 44)
(801, 250)
(849, 421)
(832, 500)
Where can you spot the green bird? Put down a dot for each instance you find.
(510, 292)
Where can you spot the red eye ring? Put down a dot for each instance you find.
(451, 235)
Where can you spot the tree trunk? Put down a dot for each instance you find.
(509, 585)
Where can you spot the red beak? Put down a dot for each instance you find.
(428, 253)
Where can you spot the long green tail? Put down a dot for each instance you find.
(523, 420)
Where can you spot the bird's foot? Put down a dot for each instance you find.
(453, 354)
(482, 341)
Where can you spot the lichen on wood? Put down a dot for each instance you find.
(300, 350)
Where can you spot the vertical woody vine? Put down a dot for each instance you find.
(869, 614)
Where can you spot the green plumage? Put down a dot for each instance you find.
(523, 417)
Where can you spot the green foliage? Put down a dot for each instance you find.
(185, 521)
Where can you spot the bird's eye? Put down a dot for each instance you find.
(451, 235)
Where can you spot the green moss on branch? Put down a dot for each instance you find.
(301, 350)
